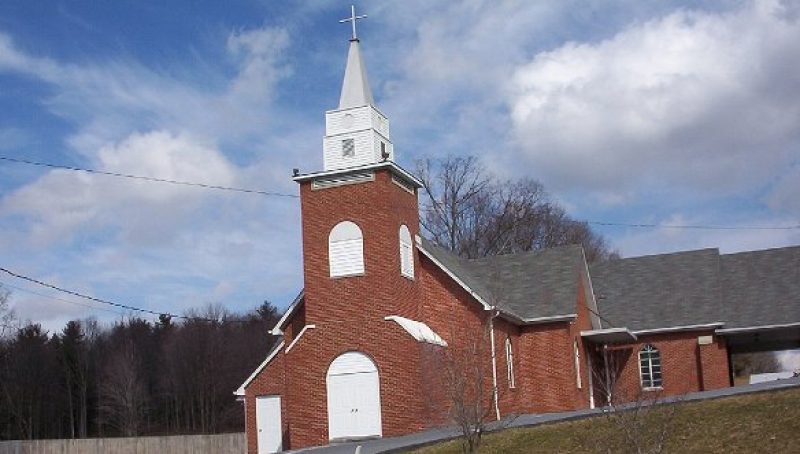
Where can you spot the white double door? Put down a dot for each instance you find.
(354, 409)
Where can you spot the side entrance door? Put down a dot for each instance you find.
(354, 408)
(268, 424)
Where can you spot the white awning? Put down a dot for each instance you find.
(609, 335)
(418, 330)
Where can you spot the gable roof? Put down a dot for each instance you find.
(529, 286)
(761, 288)
(658, 291)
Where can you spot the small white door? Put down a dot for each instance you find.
(354, 407)
(268, 424)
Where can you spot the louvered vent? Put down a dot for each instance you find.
(341, 180)
(402, 183)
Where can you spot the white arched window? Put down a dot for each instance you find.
(510, 363)
(346, 250)
(650, 367)
(406, 253)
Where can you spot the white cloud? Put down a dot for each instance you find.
(708, 100)
(63, 202)
(157, 245)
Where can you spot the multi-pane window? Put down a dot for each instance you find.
(650, 367)
(510, 364)
(348, 147)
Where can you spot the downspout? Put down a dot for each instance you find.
(608, 376)
(494, 314)
(591, 381)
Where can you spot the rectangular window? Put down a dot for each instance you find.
(577, 364)
(510, 364)
(348, 147)
(650, 367)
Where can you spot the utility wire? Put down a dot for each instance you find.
(107, 302)
(695, 227)
(280, 194)
(146, 178)
(55, 298)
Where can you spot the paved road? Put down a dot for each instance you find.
(385, 445)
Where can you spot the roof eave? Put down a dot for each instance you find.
(748, 329)
(277, 349)
(673, 329)
(276, 330)
(537, 320)
(452, 275)
(609, 335)
(377, 165)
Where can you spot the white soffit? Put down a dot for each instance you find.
(270, 357)
(418, 330)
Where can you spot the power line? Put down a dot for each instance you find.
(107, 302)
(280, 194)
(691, 227)
(146, 178)
(55, 298)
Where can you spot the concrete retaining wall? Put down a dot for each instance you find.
(180, 444)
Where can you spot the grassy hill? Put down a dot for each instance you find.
(765, 422)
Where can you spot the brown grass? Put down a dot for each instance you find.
(763, 422)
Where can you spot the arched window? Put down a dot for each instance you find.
(346, 250)
(510, 363)
(406, 253)
(650, 367)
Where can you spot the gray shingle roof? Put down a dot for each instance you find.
(529, 285)
(761, 287)
(659, 291)
(641, 293)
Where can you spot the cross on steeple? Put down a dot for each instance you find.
(352, 19)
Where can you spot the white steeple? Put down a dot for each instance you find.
(356, 133)
(355, 88)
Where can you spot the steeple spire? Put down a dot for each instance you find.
(355, 88)
(356, 133)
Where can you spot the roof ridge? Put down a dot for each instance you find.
(523, 253)
(665, 254)
(756, 251)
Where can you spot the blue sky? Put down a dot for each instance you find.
(628, 111)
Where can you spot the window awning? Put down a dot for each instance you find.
(609, 335)
(418, 330)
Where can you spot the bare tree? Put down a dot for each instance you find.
(746, 364)
(641, 417)
(7, 316)
(472, 213)
(123, 394)
(469, 391)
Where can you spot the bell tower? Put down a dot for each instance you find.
(360, 213)
(356, 133)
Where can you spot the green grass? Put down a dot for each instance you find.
(763, 422)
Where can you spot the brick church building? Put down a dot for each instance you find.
(360, 347)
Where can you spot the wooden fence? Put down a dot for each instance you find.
(179, 444)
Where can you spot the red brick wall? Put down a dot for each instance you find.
(271, 381)
(685, 366)
(349, 312)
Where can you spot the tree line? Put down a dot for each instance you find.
(134, 377)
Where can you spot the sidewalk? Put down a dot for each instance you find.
(397, 444)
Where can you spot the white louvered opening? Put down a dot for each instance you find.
(403, 184)
(406, 253)
(341, 180)
(348, 147)
(346, 250)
